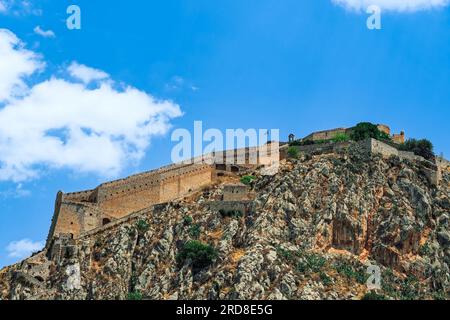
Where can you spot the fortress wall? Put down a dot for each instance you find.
(409, 155)
(325, 135)
(243, 156)
(196, 180)
(68, 219)
(170, 189)
(136, 184)
(382, 148)
(55, 217)
(384, 128)
(90, 218)
(119, 200)
(133, 200)
(316, 148)
(82, 196)
(74, 218)
(181, 182)
(245, 207)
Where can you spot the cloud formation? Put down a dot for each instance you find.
(92, 127)
(392, 5)
(18, 8)
(44, 33)
(23, 248)
(86, 74)
(16, 64)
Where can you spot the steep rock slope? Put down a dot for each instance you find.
(315, 229)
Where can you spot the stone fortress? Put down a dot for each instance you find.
(332, 133)
(80, 213)
(432, 169)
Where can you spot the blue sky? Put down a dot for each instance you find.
(295, 65)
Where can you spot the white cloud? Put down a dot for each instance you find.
(86, 74)
(18, 8)
(16, 63)
(23, 248)
(63, 124)
(2, 6)
(44, 33)
(392, 5)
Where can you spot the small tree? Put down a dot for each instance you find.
(202, 255)
(187, 220)
(247, 180)
(365, 130)
(293, 152)
(423, 148)
(142, 226)
(194, 231)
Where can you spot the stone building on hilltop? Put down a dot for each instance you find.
(332, 133)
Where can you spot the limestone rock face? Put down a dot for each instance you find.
(315, 228)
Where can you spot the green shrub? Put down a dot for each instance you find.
(424, 250)
(134, 296)
(423, 148)
(372, 295)
(316, 262)
(142, 226)
(293, 152)
(341, 137)
(440, 295)
(326, 280)
(284, 253)
(201, 255)
(388, 283)
(348, 271)
(311, 263)
(247, 180)
(366, 130)
(410, 288)
(194, 231)
(187, 220)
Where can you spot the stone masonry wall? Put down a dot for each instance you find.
(80, 212)
(325, 135)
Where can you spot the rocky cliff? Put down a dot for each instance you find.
(314, 230)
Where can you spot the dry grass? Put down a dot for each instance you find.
(216, 235)
(166, 296)
(236, 255)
